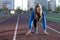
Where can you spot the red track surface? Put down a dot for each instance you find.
(7, 29)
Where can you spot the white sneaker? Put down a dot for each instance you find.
(36, 30)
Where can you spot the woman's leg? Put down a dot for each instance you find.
(35, 26)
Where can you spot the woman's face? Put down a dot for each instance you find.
(38, 9)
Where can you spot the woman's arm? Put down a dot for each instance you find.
(31, 17)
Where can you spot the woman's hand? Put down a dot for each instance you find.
(40, 17)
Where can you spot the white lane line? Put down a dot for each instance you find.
(14, 37)
(52, 29)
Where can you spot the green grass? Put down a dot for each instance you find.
(53, 17)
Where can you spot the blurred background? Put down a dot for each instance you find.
(51, 7)
(25, 5)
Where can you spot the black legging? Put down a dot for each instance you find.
(35, 23)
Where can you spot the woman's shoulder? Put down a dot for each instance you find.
(32, 12)
(43, 11)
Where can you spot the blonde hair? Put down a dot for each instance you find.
(38, 5)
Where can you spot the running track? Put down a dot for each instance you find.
(16, 28)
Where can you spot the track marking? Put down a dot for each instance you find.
(52, 29)
(14, 37)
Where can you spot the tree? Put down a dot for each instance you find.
(29, 10)
(58, 8)
(18, 10)
(5, 9)
(44, 8)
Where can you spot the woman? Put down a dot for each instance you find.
(36, 15)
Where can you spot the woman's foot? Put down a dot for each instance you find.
(36, 30)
